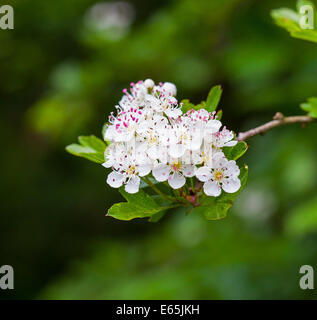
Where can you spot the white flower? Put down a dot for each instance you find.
(150, 133)
(175, 172)
(223, 174)
(220, 139)
(163, 100)
(124, 125)
(129, 175)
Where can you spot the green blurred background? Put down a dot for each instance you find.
(62, 70)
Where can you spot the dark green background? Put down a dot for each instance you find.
(60, 78)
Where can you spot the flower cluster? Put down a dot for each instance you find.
(149, 134)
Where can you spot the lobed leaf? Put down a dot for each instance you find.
(93, 142)
(90, 147)
(187, 105)
(236, 152)
(138, 205)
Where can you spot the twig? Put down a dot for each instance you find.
(278, 120)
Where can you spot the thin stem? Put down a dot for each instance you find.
(157, 190)
(192, 185)
(278, 120)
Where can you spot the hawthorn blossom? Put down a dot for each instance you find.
(149, 133)
(123, 126)
(219, 139)
(174, 172)
(223, 175)
(129, 173)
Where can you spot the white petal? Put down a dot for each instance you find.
(163, 154)
(133, 185)
(110, 132)
(154, 103)
(170, 88)
(176, 150)
(115, 179)
(108, 164)
(213, 126)
(176, 180)
(153, 152)
(232, 169)
(212, 188)
(188, 170)
(161, 172)
(231, 185)
(230, 143)
(149, 83)
(173, 113)
(144, 169)
(195, 142)
(203, 174)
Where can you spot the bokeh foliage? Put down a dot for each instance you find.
(62, 75)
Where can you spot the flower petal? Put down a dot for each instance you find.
(176, 180)
(176, 150)
(144, 169)
(161, 172)
(230, 143)
(108, 164)
(133, 185)
(188, 170)
(173, 112)
(115, 179)
(231, 185)
(213, 126)
(170, 88)
(212, 188)
(203, 174)
(232, 169)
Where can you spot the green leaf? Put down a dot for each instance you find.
(216, 208)
(219, 115)
(187, 105)
(93, 143)
(303, 219)
(310, 107)
(289, 20)
(157, 217)
(236, 152)
(138, 205)
(90, 147)
(213, 98)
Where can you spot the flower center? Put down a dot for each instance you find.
(131, 170)
(218, 175)
(176, 166)
(152, 139)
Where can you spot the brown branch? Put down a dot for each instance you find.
(278, 120)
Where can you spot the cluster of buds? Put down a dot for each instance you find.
(150, 135)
